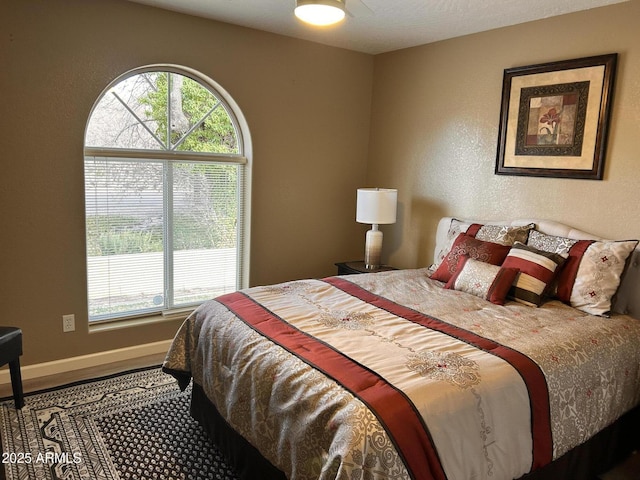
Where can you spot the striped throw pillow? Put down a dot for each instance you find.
(537, 271)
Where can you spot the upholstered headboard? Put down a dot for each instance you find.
(626, 301)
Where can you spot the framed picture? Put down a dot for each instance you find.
(554, 118)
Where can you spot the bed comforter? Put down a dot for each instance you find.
(390, 376)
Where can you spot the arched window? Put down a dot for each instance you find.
(166, 188)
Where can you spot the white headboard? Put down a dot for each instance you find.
(626, 301)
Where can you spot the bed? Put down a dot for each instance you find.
(485, 365)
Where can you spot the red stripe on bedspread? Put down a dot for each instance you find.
(392, 408)
(527, 368)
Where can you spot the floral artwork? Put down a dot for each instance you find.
(554, 118)
(546, 115)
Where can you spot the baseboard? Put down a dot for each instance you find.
(86, 361)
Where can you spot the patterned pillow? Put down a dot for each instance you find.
(537, 270)
(483, 280)
(477, 249)
(554, 244)
(594, 281)
(502, 234)
(455, 228)
(550, 243)
(591, 275)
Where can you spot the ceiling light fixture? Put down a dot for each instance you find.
(320, 12)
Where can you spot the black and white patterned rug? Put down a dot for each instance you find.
(135, 425)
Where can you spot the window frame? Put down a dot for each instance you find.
(242, 159)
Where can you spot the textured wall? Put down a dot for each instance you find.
(435, 130)
(307, 106)
(434, 136)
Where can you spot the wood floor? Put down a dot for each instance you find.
(33, 385)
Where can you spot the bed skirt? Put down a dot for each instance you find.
(602, 452)
(598, 455)
(247, 461)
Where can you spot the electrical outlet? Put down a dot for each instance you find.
(68, 323)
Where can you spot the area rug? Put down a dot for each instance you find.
(134, 425)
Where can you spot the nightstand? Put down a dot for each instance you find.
(348, 268)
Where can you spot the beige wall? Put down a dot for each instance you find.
(308, 108)
(434, 127)
(435, 118)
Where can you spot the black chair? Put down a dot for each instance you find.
(10, 351)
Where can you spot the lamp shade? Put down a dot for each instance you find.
(320, 12)
(376, 205)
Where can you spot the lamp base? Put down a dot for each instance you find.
(373, 248)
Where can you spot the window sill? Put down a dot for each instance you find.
(106, 326)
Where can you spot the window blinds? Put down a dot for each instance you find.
(161, 234)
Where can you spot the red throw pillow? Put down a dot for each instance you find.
(488, 252)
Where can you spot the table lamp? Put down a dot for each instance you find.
(375, 206)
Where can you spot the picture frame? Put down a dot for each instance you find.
(554, 118)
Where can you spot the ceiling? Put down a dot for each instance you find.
(377, 26)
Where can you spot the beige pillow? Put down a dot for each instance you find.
(591, 275)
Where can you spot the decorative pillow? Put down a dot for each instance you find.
(502, 234)
(550, 243)
(483, 280)
(598, 270)
(591, 275)
(554, 244)
(537, 270)
(477, 249)
(455, 228)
